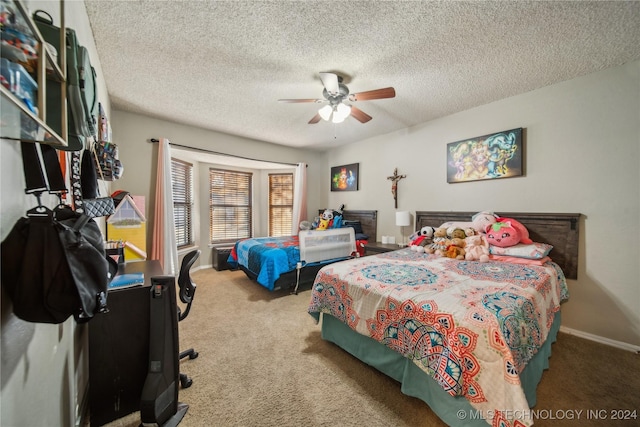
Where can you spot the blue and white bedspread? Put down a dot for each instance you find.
(266, 257)
(471, 326)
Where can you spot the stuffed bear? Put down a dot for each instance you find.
(439, 241)
(503, 234)
(476, 248)
(455, 232)
(454, 249)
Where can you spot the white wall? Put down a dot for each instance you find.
(44, 367)
(582, 155)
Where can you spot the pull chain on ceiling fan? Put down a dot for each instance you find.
(335, 94)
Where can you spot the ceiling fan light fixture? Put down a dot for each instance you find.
(341, 112)
(325, 112)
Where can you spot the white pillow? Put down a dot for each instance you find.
(533, 250)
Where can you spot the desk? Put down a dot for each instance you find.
(119, 348)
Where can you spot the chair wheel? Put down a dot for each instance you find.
(193, 355)
(185, 381)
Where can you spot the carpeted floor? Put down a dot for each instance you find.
(263, 363)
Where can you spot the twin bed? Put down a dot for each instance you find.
(469, 338)
(276, 262)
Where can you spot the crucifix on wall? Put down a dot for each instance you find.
(394, 184)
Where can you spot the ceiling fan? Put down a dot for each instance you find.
(335, 94)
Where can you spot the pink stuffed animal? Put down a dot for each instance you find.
(524, 233)
(476, 248)
(478, 222)
(503, 234)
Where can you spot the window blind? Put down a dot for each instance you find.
(280, 204)
(182, 186)
(230, 210)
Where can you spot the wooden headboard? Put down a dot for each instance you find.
(368, 219)
(561, 230)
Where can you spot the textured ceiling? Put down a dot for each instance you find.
(223, 65)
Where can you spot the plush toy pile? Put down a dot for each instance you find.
(471, 240)
(330, 218)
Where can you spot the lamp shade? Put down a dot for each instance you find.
(325, 112)
(341, 112)
(403, 218)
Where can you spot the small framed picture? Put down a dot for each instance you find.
(344, 178)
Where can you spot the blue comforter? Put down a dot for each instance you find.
(266, 257)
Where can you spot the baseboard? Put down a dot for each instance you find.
(591, 337)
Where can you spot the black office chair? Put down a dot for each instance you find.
(187, 291)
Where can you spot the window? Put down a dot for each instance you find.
(182, 185)
(229, 205)
(280, 204)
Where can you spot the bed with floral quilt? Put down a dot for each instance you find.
(470, 338)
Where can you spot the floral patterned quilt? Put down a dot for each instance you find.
(471, 326)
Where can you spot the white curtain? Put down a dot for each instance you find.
(299, 197)
(163, 247)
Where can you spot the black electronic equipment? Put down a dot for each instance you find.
(159, 404)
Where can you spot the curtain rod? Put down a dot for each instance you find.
(154, 140)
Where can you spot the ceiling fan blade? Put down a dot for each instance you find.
(315, 119)
(330, 82)
(301, 100)
(387, 92)
(359, 115)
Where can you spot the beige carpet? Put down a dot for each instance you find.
(263, 363)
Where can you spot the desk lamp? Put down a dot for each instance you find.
(403, 219)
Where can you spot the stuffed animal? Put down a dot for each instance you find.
(479, 222)
(421, 239)
(305, 225)
(476, 248)
(454, 249)
(439, 241)
(503, 234)
(455, 232)
(325, 219)
(524, 233)
(414, 237)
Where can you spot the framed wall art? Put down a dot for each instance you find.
(497, 155)
(344, 178)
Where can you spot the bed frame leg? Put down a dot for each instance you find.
(298, 268)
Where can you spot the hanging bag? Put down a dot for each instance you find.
(91, 204)
(53, 261)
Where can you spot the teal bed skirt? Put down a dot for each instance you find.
(417, 383)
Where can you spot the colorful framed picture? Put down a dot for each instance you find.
(344, 178)
(497, 155)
